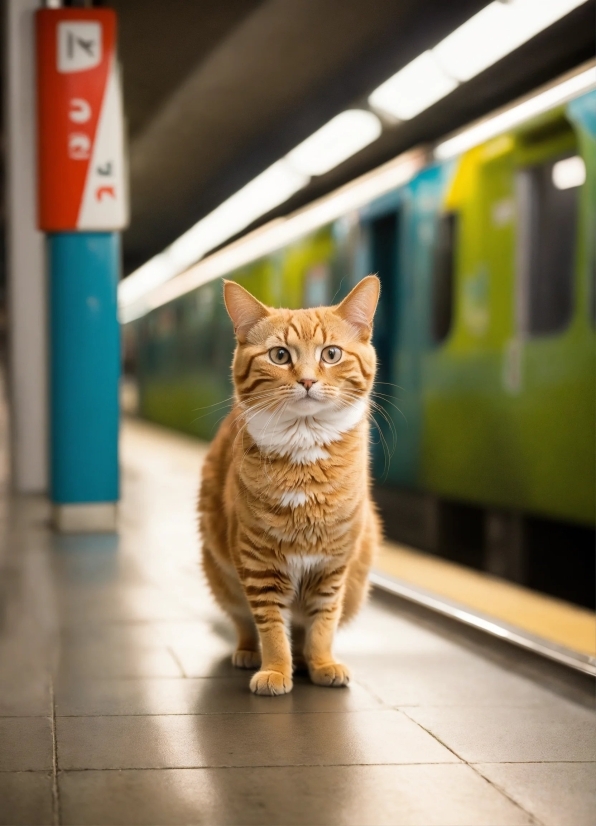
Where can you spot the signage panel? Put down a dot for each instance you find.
(81, 167)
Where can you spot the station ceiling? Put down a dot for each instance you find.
(217, 90)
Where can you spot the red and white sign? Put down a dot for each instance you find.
(81, 170)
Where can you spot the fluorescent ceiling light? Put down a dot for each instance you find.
(498, 29)
(413, 89)
(277, 234)
(342, 137)
(269, 189)
(516, 115)
(569, 173)
(495, 31)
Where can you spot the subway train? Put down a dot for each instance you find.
(483, 425)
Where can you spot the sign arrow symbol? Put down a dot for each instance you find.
(86, 45)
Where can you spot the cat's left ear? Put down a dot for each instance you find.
(359, 306)
(243, 308)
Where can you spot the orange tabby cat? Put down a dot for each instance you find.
(286, 517)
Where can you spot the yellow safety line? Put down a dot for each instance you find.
(552, 619)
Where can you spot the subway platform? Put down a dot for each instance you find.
(119, 705)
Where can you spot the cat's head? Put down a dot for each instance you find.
(303, 361)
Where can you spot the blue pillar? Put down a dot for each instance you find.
(84, 378)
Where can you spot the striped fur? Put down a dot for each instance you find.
(287, 523)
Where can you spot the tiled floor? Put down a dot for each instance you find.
(144, 721)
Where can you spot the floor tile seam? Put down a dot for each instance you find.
(201, 714)
(472, 767)
(532, 762)
(372, 692)
(69, 770)
(486, 706)
(506, 794)
(56, 809)
(434, 736)
(49, 771)
(227, 713)
(95, 677)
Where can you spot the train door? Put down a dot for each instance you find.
(384, 242)
(554, 386)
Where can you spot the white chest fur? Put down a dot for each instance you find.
(293, 498)
(302, 439)
(298, 566)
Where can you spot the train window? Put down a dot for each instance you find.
(443, 276)
(548, 233)
(384, 237)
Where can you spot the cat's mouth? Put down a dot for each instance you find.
(309, 403)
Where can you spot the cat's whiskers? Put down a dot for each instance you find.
(225, 403)
(387, 453)
(272, 395)
(383, 413)
(246, 451)
(264, 457)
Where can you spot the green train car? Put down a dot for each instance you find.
(486, 342)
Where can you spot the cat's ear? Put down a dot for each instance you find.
(358, 307)
(243, 308)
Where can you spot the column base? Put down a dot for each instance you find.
(94, 517)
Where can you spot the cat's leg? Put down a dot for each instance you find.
(247, 654)
(357, 587)
(357, 584)
(275, 676)
(268, 601)
(228, 592)
(323, 605)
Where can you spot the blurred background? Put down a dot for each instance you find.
(484, 246)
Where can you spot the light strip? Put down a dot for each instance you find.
(413, 89)
(338, 140)
(282, 231)
(491, 34)
(515, 115)
(496, 31)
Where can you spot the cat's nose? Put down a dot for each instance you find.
(307, 383)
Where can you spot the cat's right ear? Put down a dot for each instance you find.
(243, 308)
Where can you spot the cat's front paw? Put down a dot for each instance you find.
(270, 683)
(330, 674)
(243, 658)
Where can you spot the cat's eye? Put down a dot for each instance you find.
(331, 354)
(279, 355)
